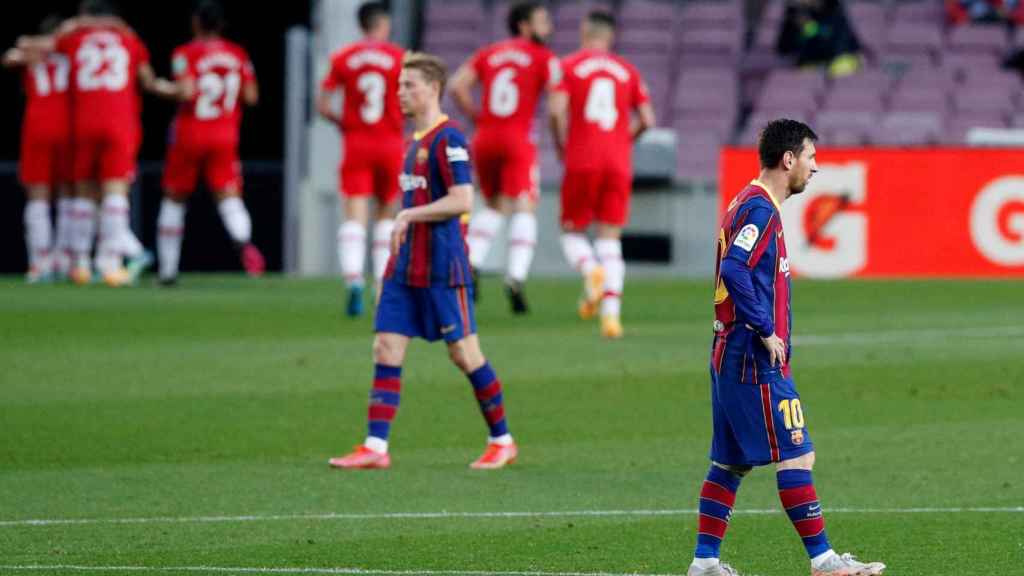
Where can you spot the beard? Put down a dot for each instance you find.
(536, 39)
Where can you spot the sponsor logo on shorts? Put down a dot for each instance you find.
(451, 328)
(797, 436)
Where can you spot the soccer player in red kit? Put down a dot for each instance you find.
(593, 118)
(366, 72)
(45, 163)
(215, 77)
(109, 64)
(512, 75)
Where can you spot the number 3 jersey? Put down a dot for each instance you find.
(104, 79)
(367, 73)
(218, 69)
(604, 89)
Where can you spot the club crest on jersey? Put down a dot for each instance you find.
(747, 237)
(797, 437)
(421, 155)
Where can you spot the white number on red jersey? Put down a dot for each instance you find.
(373, 86)
(218, 94)
(504, 99)
(102, 67)
(41, 75)
(600, 107)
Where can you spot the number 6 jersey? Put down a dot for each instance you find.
(219, 69)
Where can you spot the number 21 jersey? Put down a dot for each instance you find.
(367, 72)
(219, 69)
(604, 90)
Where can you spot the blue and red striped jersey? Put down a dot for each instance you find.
(752, 285)
(434, 253)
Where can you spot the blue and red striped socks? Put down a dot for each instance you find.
(384, 397)
(717, 497)
(487, 388)
(796, 491)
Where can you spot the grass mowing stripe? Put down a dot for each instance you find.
(443, 515)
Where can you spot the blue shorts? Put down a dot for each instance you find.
(435, 313)
(756, 420)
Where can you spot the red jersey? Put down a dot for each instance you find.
(367, 71)
(513, 73)
(104, 77)
(46, 96)
(219, 68)
(604, 90)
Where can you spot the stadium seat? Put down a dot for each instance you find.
(958, 126)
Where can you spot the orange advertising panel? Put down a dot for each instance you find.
(885, 213)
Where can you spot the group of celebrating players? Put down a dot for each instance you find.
(598, 105)
(84, 80)
(424, 257)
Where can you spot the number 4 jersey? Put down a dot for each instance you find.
(604, 90)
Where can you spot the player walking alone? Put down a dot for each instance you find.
(592, 115)
(756, 411)
(427, 290)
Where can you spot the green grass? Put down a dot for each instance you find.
(225, 398)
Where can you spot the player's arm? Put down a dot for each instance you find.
(461, 89)
(34, 48)
(14, 58)
(329, 86)
(251, 93)
(644, 120)
(736, 272)
(158, 86)
(558, 119)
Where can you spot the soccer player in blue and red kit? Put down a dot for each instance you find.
(756, 412)
(427, 290)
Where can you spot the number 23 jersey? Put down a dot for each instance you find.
(219, 70)
(604, 89)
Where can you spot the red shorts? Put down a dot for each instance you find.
(370, 167)
(46, 159)
(218, 162)
(595, 194)
(506, 166)
(105, 155)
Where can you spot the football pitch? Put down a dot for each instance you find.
(187, 431)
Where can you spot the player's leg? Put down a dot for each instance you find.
(116, 239)
(389, 167)
(356, 179)
(62, 252)
(519, 175)
(179, 181)
(612, 215)
(37, 171)
(577, 213)
(718, 491)
(398, 318)
(486, 223)
(796, 486)
(83, 230)
(224, 176)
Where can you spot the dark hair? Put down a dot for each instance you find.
(519, 13)
(370, 13)
(97, 8)
(210, 14)
(781, 136)
(601, 17)
(50, 24)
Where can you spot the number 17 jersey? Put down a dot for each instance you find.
(219, 69)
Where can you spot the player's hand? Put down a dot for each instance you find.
(399, 232)
(776, 348)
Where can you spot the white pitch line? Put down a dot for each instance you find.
(448, 515)
(347, 571)
(911, 336)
